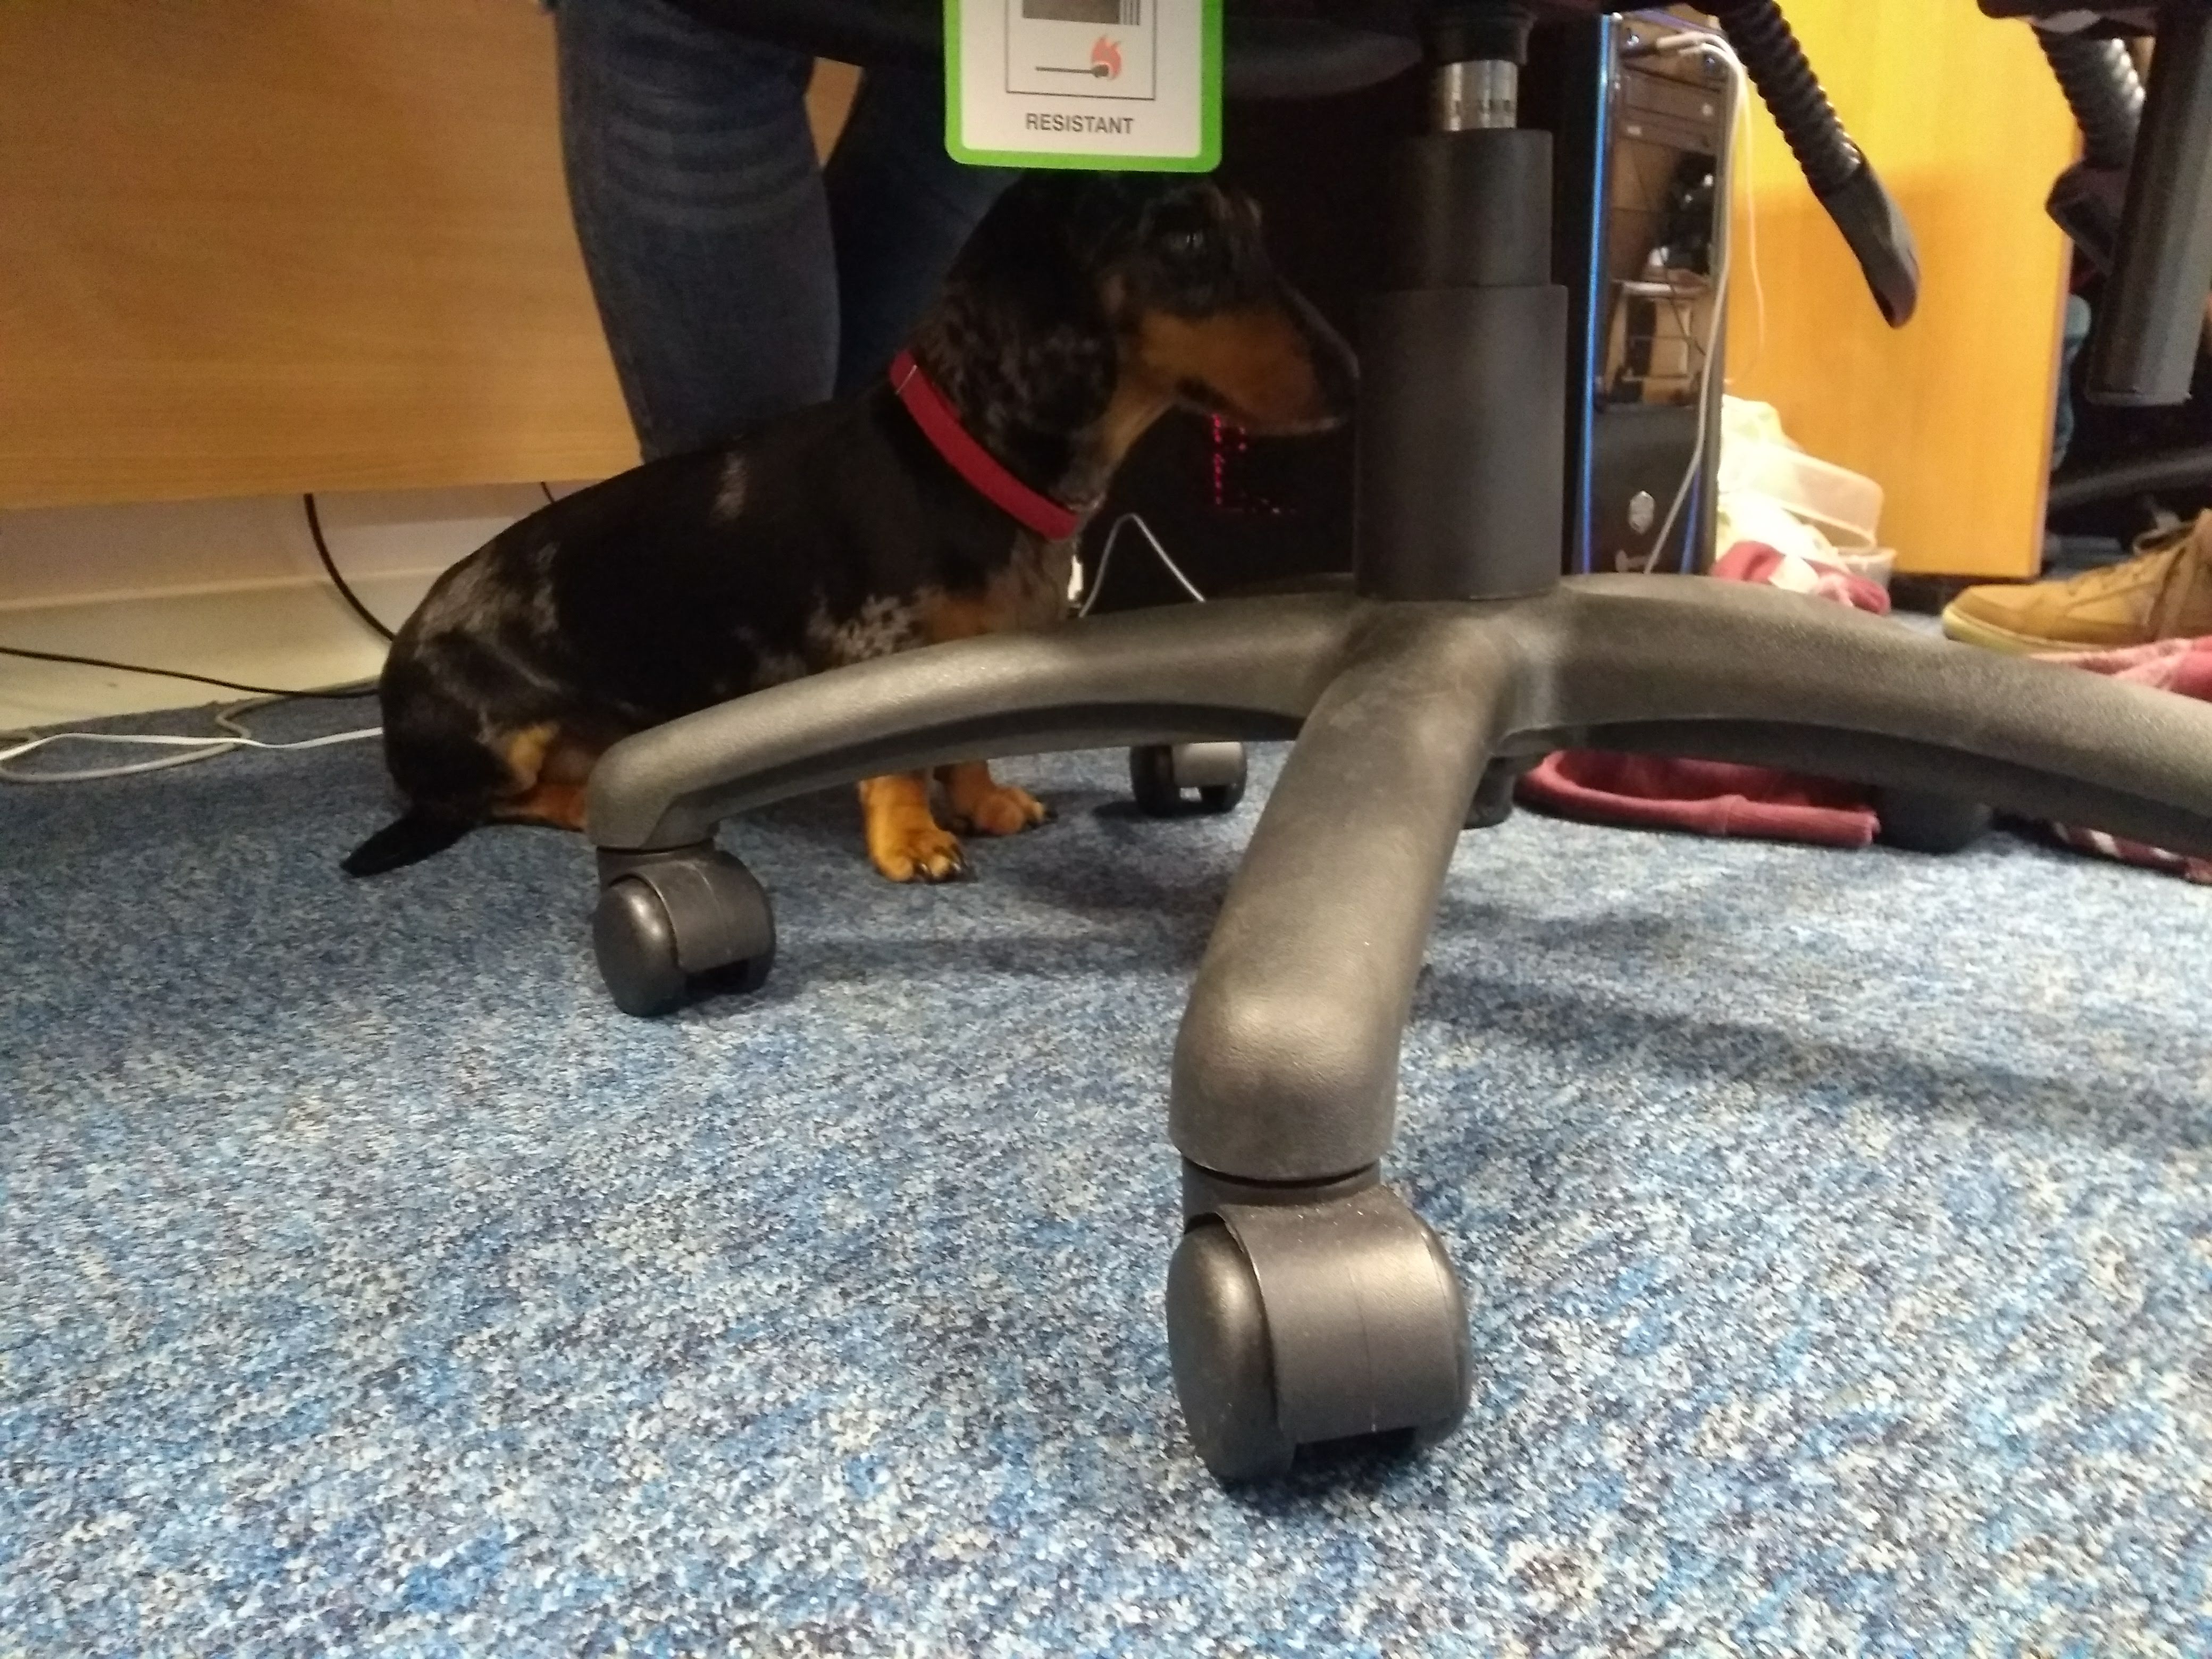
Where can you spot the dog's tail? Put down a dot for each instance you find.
(415, 835)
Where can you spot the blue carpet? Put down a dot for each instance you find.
(1837, 1230)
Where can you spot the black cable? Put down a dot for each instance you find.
(178, 674)
(1761, 37)
(551, 499)
(329, 564)
(2103, 90)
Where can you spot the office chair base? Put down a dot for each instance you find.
(675, 925)
(1306, 1303)
(1922, 821)
(1171, 780)
(1493, 797)
(1294, 1323)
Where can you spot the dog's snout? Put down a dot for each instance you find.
(1335, 365)
(1326, 388)
(1272, 367)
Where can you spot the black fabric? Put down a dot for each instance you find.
(1275, 48)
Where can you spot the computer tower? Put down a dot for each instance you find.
(1639, 221)
(1647, 136)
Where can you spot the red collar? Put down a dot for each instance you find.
(940, 424)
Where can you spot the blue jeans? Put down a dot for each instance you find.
(736, 279)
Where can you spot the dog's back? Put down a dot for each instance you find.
(810, 541)
(949, 505)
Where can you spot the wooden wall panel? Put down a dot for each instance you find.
(1952, 414)
(252, 245)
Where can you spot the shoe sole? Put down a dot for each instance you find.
(1972, 630)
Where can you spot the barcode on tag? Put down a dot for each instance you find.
(1124, 14)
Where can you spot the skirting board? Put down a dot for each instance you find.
(295, 633)
(231, 588)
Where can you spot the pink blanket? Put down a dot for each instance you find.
(2183, 666)
(1713, 798)
(1717, 798)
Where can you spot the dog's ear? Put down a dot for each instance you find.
(1021, 315)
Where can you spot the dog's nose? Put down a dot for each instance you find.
(1335, 366)
(1340, 375)
(1336, 369)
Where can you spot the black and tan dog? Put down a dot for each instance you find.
(943, 502)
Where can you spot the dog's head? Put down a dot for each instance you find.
(1091, 298)
(1184, 277)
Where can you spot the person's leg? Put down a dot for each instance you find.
(899, 208)
(691, 174)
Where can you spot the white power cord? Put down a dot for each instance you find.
(1106, 558)
(1719, 47)
(202, 748)
(194, 748)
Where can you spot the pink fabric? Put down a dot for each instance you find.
(1707, 798)
(1712, 797)
(1716, 798)
(1755, 561)
(2182, 666)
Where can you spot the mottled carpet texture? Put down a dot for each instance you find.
(1838, 1229)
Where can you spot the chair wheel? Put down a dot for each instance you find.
(1163, 776)
(1218, 1345)
(1923, 822)
(1293, 1324)
(1493, 796)
(669, 929)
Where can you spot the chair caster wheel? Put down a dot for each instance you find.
(1289, 1325)
(1224, 1375)
(1922, 822)
(670, 927)
(1493, 797)
(1162, 776)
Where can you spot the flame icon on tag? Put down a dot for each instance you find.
(1106, 58)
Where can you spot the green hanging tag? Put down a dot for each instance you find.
(1083, 83)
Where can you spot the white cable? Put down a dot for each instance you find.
(201, 748)
(1720, 48)
(1106, 558)
(197, 748)
(1747, 124)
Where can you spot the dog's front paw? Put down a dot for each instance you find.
(1001, 810)
(919, 852)
(982, 806)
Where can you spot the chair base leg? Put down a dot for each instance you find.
(1306, 1302)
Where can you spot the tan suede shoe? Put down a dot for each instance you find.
(2164, 593)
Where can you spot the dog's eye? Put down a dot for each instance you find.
(1183, 244)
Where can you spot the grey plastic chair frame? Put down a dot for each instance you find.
(1306, 1301)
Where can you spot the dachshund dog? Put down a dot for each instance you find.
(943, 502)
